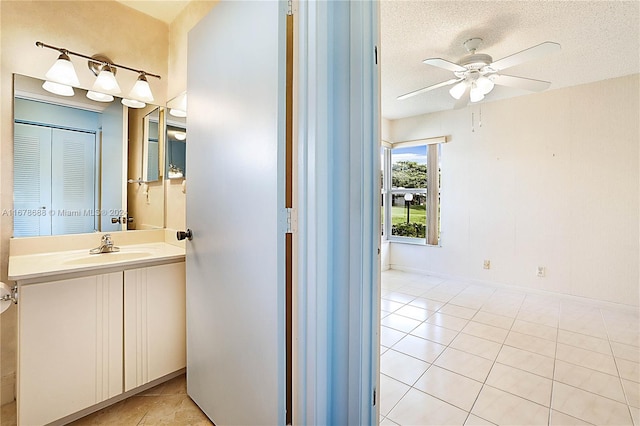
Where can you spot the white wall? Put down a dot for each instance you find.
(550, 179)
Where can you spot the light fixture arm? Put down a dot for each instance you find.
(69, 52)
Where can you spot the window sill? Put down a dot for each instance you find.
(411, 241)
(408, 240)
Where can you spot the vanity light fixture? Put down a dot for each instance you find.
(106, 81)
(62, 77)
(181, 136)
(141, 89)
(62, 71)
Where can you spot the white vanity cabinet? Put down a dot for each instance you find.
(154, 323)
(86, 340)
(70, 346)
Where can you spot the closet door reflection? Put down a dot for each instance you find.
(54, 181)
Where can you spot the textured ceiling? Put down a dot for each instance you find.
(165, 11)
(600, 40)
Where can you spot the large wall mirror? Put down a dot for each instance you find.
(72, 162)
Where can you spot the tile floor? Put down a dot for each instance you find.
(454, 353)
(165, 404)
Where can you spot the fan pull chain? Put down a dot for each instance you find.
(480, 122)
(473, 129)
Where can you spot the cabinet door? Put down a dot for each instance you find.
(154, 323)
(70, 346)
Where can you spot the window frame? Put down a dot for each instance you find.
(432, 146)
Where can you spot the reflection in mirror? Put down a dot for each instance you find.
(151, 146)
(63, 148)
(176, 137)
(69, 162)
(176, 148)
(145, 194)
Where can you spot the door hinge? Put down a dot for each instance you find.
(374, 396)
(290, 7)
(292, 221)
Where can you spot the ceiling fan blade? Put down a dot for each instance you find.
(443, 63)
(529, 54)
(464, 99)
(426, 89)
(521, 82)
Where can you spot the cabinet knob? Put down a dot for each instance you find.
(181, 235)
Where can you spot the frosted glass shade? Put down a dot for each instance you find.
(178, 105)
(458, 90)
(63, 72)
(180, 136)
(99, 97)
(484, 84)
(57, 88)
(476, 94)
(177, 112)
(132, 103)
(106, 82)
(141, 90)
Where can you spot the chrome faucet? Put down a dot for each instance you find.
(106, 246)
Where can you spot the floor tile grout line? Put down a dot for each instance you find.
(492, 365)
(553, 371)
(403, 395)
(615, 362)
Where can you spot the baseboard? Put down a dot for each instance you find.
(567, 296)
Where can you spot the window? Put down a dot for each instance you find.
(410, 201)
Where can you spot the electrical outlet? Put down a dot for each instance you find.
(487, 264)
(541, 271)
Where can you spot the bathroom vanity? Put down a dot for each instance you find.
(94, 329)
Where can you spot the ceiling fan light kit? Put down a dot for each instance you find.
(476, 74)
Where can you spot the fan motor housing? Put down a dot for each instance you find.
(476, 61)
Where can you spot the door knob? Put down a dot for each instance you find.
(181, 235)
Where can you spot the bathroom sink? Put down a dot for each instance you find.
(90, 259)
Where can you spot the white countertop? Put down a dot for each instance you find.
(33, 268)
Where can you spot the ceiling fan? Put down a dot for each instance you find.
(477, 73)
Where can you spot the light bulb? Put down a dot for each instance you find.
(485, 85)
(106, 82)
(99, 97)
(476, 94)
(458, 90)
(57, 88)
(63, 72)
(141, 89)
(132, 103)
